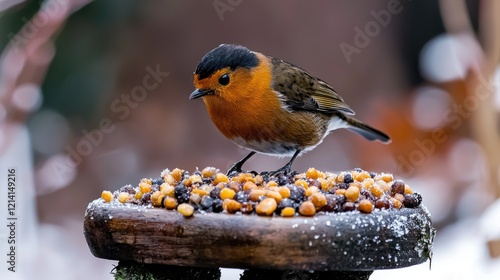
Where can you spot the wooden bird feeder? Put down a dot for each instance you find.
(347, 245)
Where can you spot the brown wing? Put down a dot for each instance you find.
(301, 91)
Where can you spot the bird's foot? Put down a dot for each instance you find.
(285, 170)
(234, 170)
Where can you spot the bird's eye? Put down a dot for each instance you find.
(224, 79)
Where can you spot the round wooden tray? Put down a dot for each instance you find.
(337, 241)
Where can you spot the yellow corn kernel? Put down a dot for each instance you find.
(144, 187)
(167, 190)
(259, 180)
(352, 194)
(177, 174)
(208, 172)
(146, 180)
(169, 179)
(185, 209)
(154, 198)
(386, 177)
(326, 185)
(231, 206)
(312, 190)
(170, 203)
(365, 206)
(408, 190)
(256, 194)
(340, 192)
(284, 191)
(376, 191)
(368, 183)
(288, 212)
(123, 197)
(307, 208)
(275, 195)
(249, 186)
(195, 179)
(266, 207)
(302, 183)
(220, 178)
(312, 173)
(200, 192)
(107, 196)
(318, 199)
(272, 184)
(226, 193)
(138, 195)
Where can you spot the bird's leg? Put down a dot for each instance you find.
(288, 167)
(237, 166)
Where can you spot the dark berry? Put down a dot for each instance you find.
(296, 193)
(368, 194)
(398, 187)
(240, 196)
(382, 204)
(215, 193)
(343, 186)
(246, 207)
(357, 169)
(197, 172)
(217, 205)
(283, 180)
(128, 189)
(348, 178)
(180, 190)
(235, 186)
(157, 181)
(207, 180)
(333, 190)
(410, 201)
(349, 206)
(206, 202)
(418, 197)
(314, 183)
(340, 199)
(373, 174)
(155, 187)
(183, 198)
(146, 198)
(331, 203)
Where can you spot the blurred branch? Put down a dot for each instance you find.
(25, 60)
(484, 120)
(455, 17)
(6, 4)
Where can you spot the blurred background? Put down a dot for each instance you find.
(94, 95)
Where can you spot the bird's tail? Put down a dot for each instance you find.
(365, 130)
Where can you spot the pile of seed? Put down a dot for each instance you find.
(306, 193)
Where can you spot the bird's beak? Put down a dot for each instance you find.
(200, 93)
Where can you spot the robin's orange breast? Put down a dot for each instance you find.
(261, 124)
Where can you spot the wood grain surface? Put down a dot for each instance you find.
(347, 241)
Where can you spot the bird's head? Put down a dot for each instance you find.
(224, 71)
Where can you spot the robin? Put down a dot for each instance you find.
(271, 106)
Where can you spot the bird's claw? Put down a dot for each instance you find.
(234, 168)
(285, 170)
